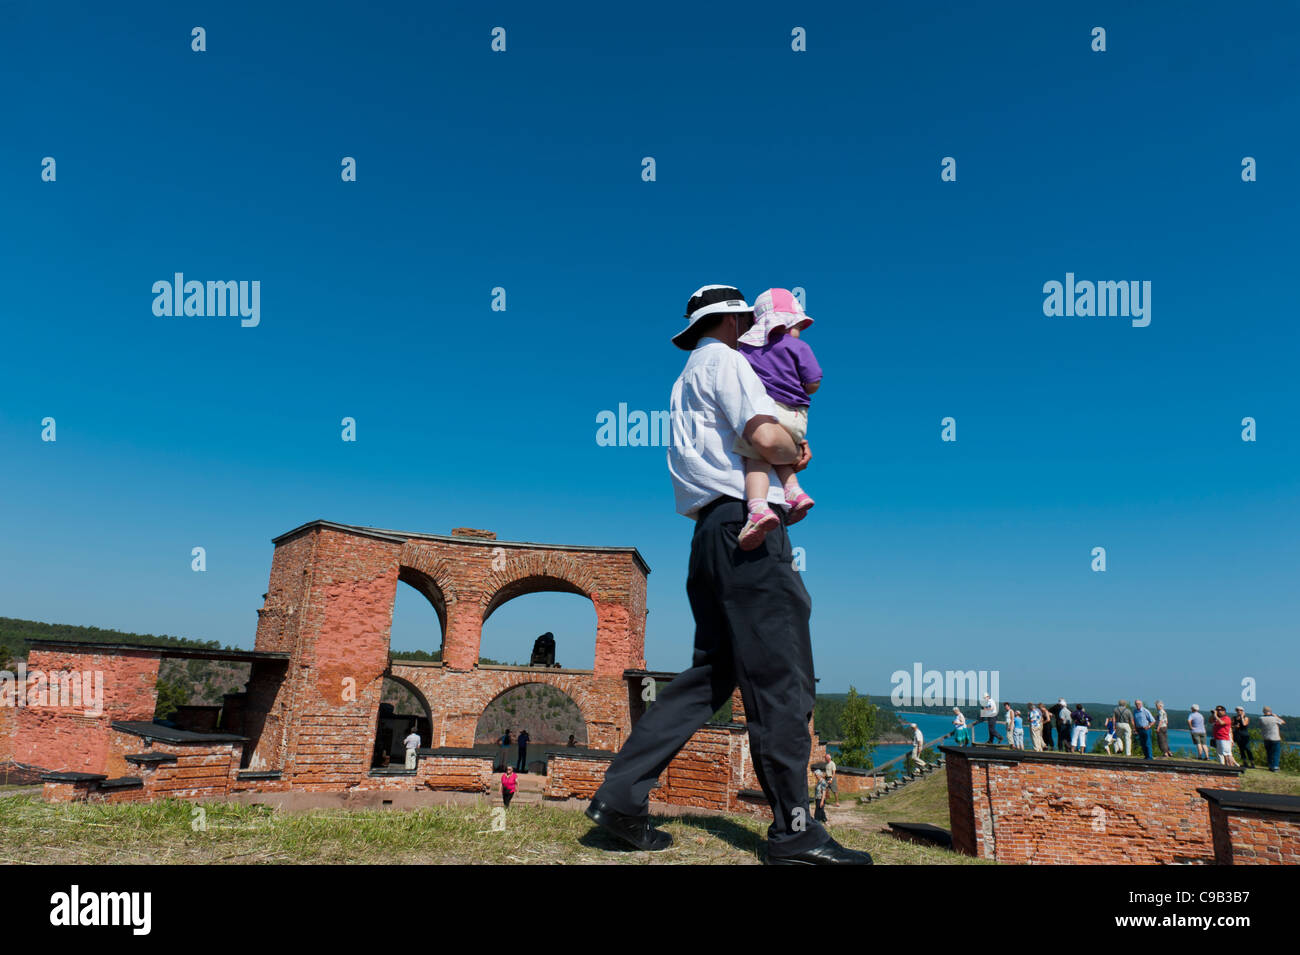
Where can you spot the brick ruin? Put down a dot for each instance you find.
(307, 721)
(1020, 806)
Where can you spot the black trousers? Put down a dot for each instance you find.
(751, 629)
(1243, 743)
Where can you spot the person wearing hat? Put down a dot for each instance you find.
(751, 608)
(790, 373)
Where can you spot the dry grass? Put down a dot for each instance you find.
(174, 832)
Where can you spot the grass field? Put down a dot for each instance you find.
(923, 800)
(169, 832)
(174, 832)
(1262, 781)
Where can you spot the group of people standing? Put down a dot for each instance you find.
(1071, 726)
(1232, 729)
(503, 759)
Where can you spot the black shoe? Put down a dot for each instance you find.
(829, 852)
(636, 830)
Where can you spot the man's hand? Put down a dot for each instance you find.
(805, 455)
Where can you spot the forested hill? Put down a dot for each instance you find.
(14, 633)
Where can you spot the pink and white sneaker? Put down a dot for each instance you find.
(761, 520)
(800, 504)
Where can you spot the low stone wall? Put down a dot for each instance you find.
(1025, 807)
(853, 782)
(1254, 828)
(575, 776)
(706, 772)
(141, 767)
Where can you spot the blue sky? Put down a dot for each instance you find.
(522, 170)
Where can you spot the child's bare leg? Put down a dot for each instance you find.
(786, 475)
(756, 482)
(799, 502)
(761, 516)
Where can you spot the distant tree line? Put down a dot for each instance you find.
(15, 633)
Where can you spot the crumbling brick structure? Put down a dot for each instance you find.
(1042, 807)
(306, 724)
(1254, 828)
(330, 607)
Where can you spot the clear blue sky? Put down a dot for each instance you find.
(523, 170)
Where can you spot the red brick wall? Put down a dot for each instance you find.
(708, 773)
(570, 777)
(1060, 808)
(702, 773)
(1246, 837)
(261, 714)
(457, 699)
(472, 774)
(330, 604)
(65, 738)
(8, 722)
(341, 651)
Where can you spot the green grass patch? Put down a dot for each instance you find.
(175, 832)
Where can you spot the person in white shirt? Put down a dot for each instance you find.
(833, 786)
(412, 743)
(918, 744)
(751, 608)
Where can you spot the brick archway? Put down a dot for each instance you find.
(330, 606)
(523, 680)
(430, 589)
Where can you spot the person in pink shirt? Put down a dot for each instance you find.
(509, 784)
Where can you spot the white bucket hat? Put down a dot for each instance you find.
(710, 300)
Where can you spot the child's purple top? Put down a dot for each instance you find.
(783, 366)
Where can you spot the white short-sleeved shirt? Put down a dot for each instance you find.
(713, 399)
(412, 741)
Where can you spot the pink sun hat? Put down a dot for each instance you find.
(775, 310)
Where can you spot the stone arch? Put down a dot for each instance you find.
(536, 573)
(434, 586)
(575, 690)
(414, 690)
(425, 726)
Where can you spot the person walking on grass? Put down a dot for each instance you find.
(819, 813)
(832, 787)
(509, 786)
(751, 607)
(918, 744)
(1270, 727)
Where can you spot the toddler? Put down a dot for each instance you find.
(790, 373)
